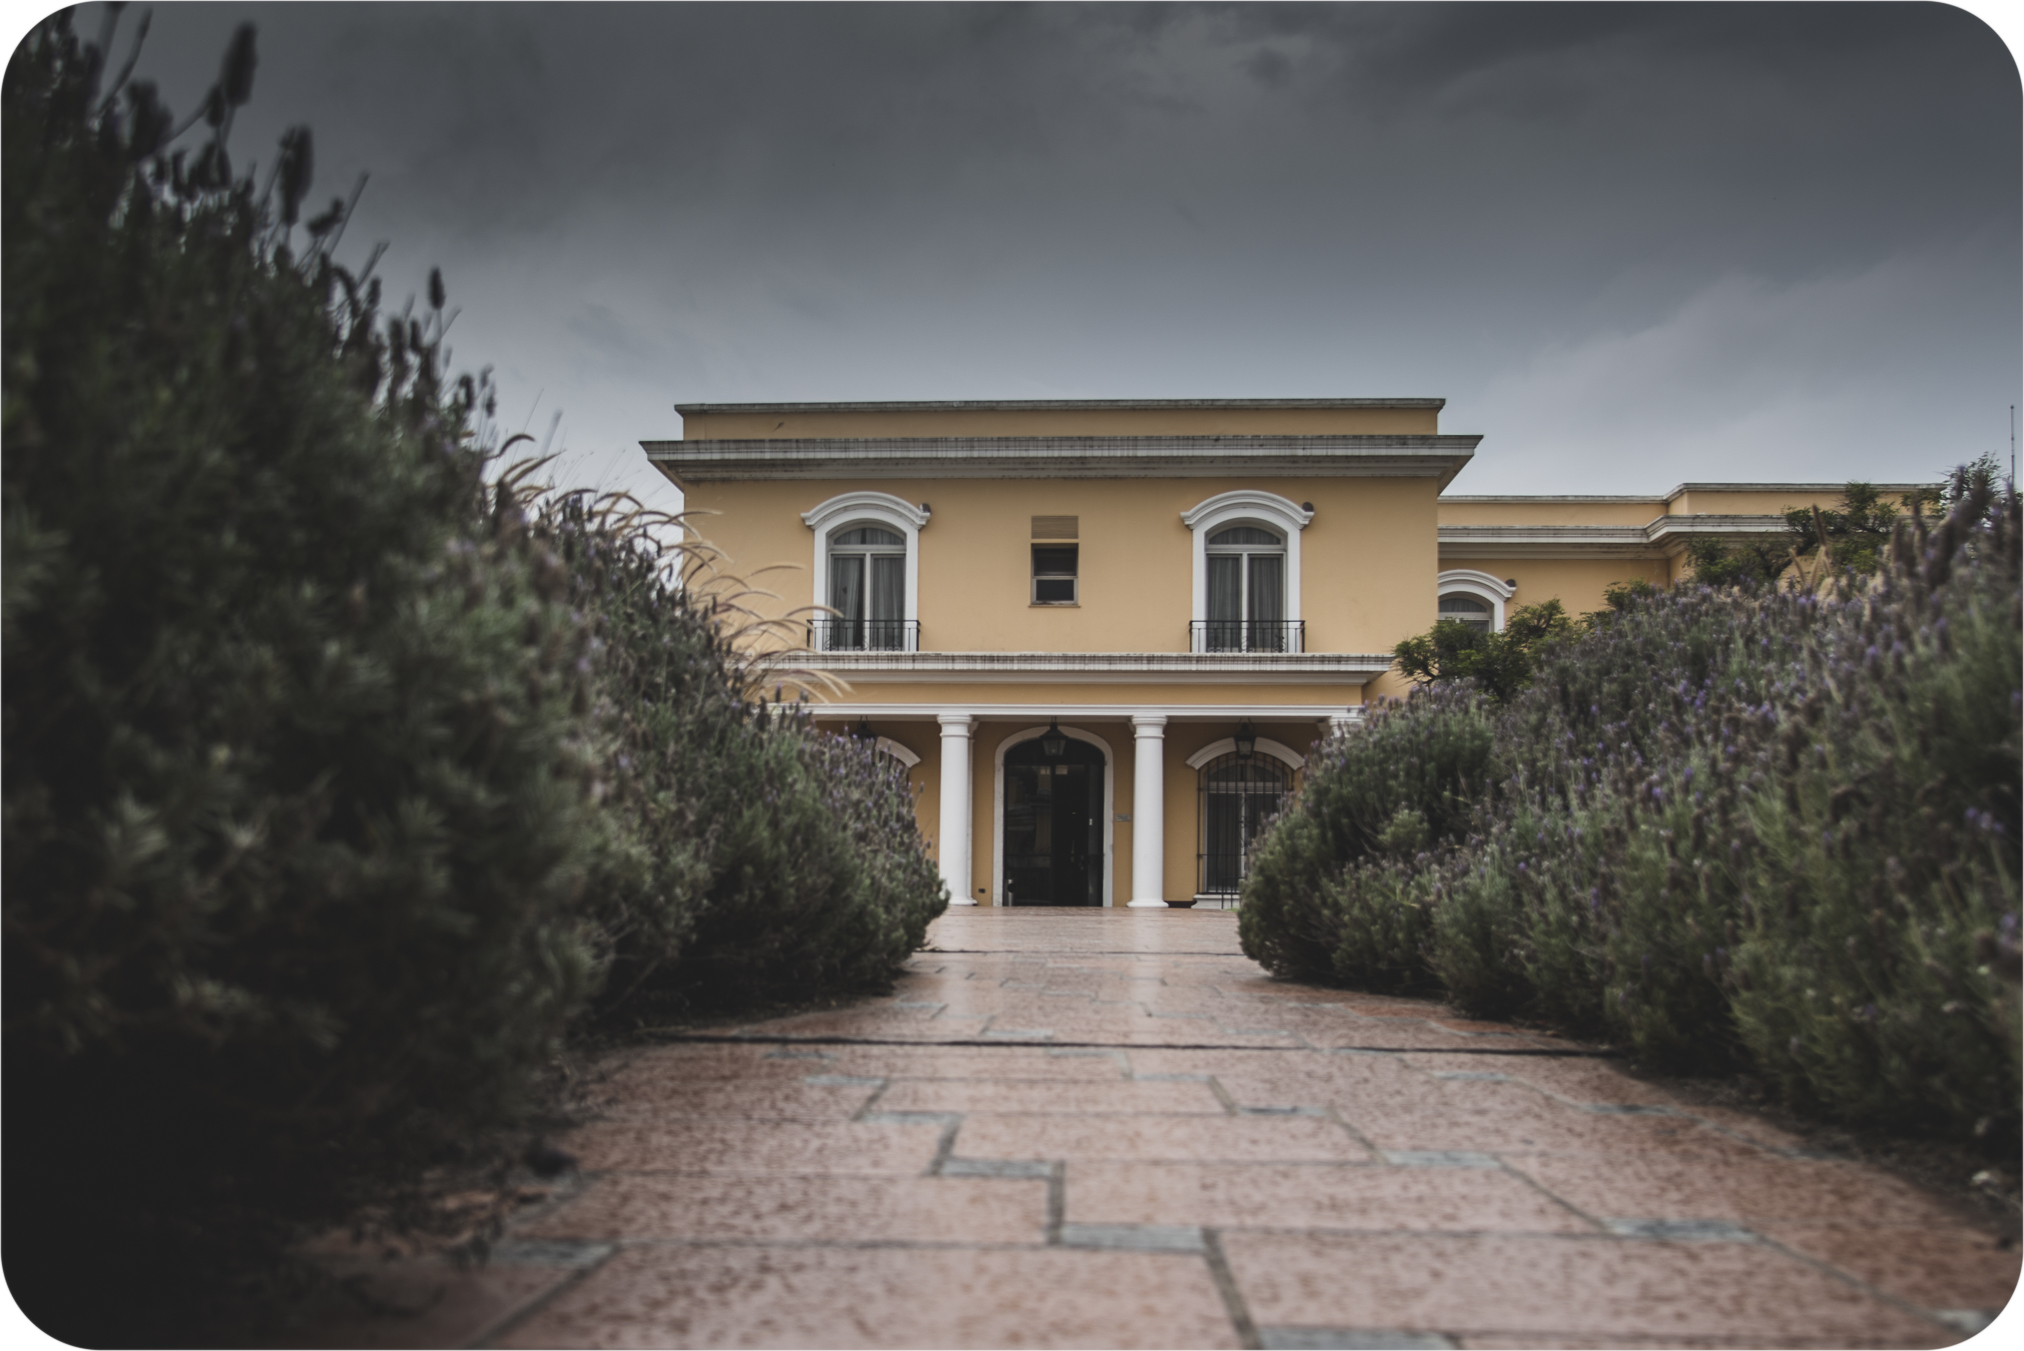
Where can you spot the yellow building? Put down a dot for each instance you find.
(1104, 635)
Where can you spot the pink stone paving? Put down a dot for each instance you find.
(1109, 1129)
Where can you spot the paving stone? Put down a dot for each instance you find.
(1350, 1339)
(736, 1145)
(1472, 1114)
(1940, 1268)
(1579, 1079)
(1557, 1289)
(1747, 1188)
(884, 1297)
(1171, 1138)
(1004, 1063)
(775, 1095)
(813, 1207)
(1121, 1098)
(1316, 1196)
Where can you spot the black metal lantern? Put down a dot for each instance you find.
(1246, 739)
(863, 732)
(1054, 741)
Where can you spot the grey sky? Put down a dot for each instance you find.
(1631, 245)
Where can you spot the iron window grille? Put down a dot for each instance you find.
(1240, 794)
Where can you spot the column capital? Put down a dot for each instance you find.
(955, 724)
(1148, 724)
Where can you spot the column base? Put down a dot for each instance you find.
(961, 901)
(1145, 905)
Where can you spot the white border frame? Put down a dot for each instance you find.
(1278, 750)
(1478, 584)
(848, 509)
(998, 806)
(1246, 504)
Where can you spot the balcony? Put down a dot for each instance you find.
(1247, 635)
(864, 635)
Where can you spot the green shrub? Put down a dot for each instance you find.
(753, 857)
(1726, 828)
(298, 794)
(1405, 781)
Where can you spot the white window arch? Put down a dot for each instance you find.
(868, 520)
(1227, 515)
(1469, 595)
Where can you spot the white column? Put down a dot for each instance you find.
(1148, 811)
(956, 729)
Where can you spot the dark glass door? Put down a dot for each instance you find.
(1054, 825)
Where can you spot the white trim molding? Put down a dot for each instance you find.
(856, 508)
(1246, 504)
(887, 746)
(998, 804)
(1228, 746)
(1490, 590)
(1349, 714)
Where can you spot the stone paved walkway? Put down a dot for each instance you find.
(1108, 1128)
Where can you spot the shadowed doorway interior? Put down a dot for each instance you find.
(1054, 823)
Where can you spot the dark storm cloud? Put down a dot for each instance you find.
(1630, 243)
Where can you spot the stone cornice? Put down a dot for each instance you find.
(1050, 405)
(1063, 457)
(1199, 668)
(1664, 536)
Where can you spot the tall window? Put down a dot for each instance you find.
(1240, 793)
(1247, 590)
(867, 589)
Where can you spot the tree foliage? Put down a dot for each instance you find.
(1500, 662)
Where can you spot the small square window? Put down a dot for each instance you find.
(1054, 574)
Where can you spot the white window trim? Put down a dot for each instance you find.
(847, 510)
(998, 804)
(1246, 504)
(1490, 590)
(1228, 746)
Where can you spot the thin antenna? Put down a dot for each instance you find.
(2013, 447)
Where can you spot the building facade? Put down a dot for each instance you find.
(1104, 636)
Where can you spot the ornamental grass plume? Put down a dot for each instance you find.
(1731, 828)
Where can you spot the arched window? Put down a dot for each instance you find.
(867, 569)
(1239, 793)
(867, 589)
(1247, 572)
(1247, 590)
(1471, 610)
(1475, 598)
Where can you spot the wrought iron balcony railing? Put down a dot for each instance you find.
(864, 635)
(1247, 635)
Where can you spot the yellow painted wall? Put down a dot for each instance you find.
(1064, 422)
(1756, 503)
(1576, 582)
(1368, 557)
(1519, 511)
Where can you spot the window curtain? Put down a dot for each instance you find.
(1268, 588)
(1226, 580)
(888, 588)
(846, 585)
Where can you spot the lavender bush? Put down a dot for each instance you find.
(1745, 827)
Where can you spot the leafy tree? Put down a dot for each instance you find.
(1739, 562)
(1857, 530)
(1501, 663)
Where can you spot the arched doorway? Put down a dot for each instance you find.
(1240, 793)
(1053, 822)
